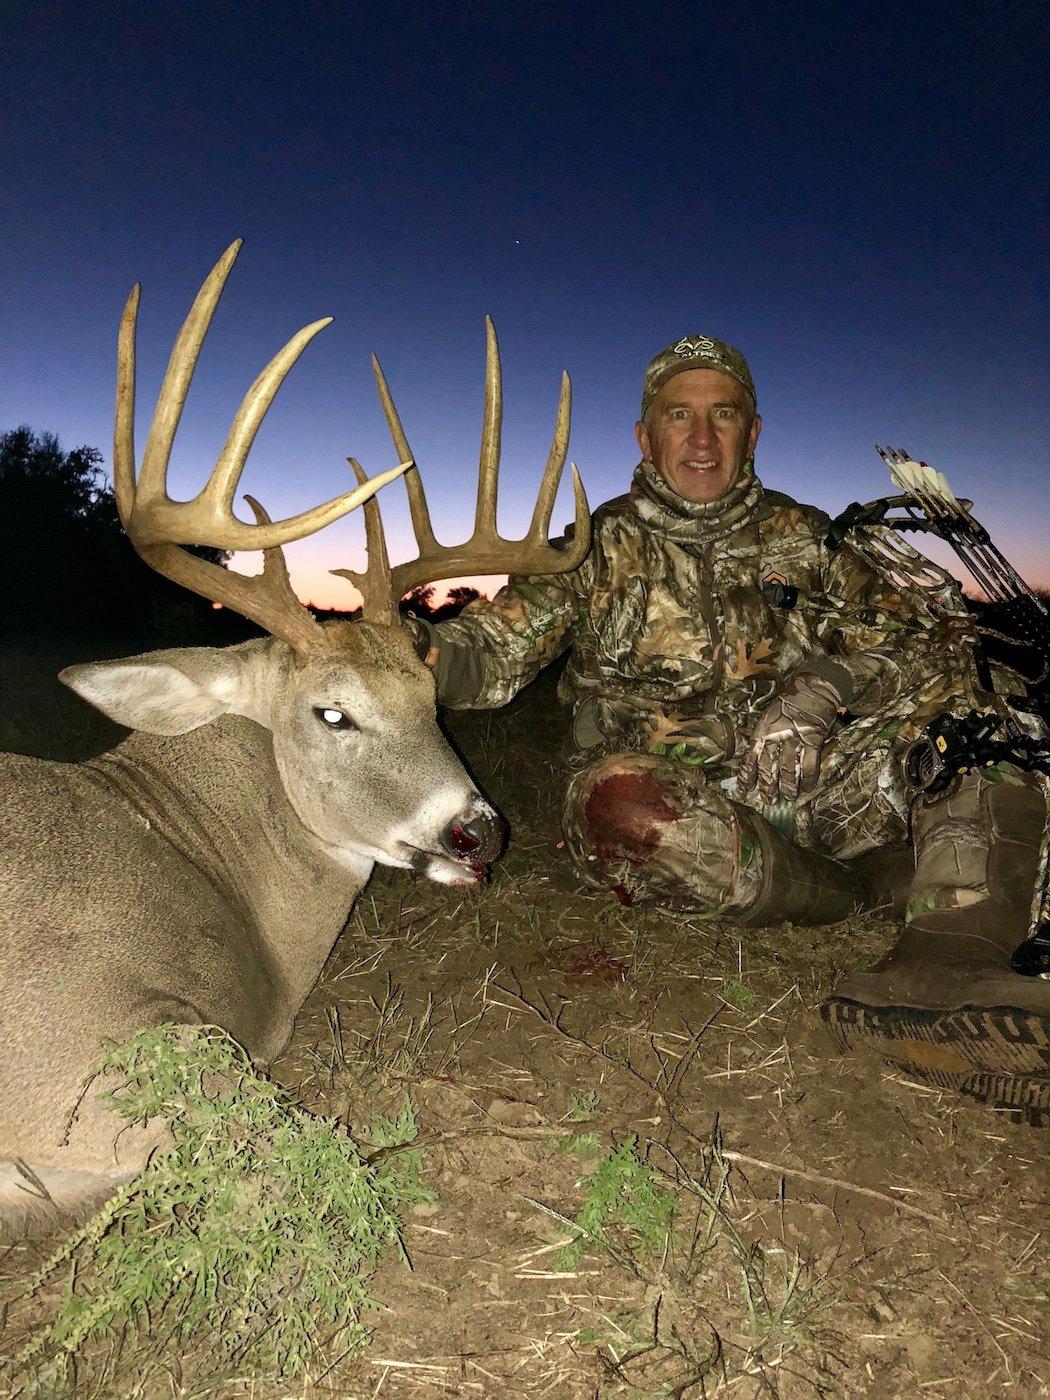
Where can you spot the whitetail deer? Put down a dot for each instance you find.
(200, 872)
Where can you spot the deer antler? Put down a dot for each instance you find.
(157, 525)
(486, 552)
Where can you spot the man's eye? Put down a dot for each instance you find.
(335, 719)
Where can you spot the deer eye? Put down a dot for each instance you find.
(334, 719)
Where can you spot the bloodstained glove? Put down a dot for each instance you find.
(784, 753)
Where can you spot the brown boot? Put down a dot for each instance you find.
(944, 1002)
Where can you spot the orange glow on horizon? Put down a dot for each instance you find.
(315, 585)
(340, 593)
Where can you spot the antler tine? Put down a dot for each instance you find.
(581, 539)
(486, 552)
(273, 593)
(181, 364)
(485, 533)
(541, 515)
(124, 421)
(249, 416)
(417, 500)
(375, 584)
(148, 512)
(209, 518)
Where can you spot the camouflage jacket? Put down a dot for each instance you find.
(677, 639)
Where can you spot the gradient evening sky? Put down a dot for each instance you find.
(854, 194)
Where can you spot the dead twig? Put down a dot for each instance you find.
(436, 1139)
(837, 1182)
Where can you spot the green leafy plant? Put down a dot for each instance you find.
(737, 995)
(257, 1226)
(580, 1144)
(677, 1240)
(782, 1295)
(582, 1107)
(621, 1193)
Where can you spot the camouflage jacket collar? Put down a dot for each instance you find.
(693, 522)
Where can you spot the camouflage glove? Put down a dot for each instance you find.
(784, 753)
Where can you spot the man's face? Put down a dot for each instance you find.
(699, 432)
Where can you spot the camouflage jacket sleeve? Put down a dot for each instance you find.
(482, 658)
(884, 641)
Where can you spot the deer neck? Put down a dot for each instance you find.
(215, 796)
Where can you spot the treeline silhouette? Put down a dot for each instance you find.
(68, 569)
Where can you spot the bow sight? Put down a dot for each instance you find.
(1015, 615)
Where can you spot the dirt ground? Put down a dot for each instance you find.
(841, 1231)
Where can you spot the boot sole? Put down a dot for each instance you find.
(998, 1055)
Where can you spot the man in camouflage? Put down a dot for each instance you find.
(742, 696)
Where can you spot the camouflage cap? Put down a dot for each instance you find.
(695, 352)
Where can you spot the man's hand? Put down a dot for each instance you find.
(422, 639)
(784, 754)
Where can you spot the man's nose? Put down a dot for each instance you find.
(701, 432)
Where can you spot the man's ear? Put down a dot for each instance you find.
(167, 692)
(756, 428)
(641, 437)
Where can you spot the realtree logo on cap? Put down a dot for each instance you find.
(694, 346)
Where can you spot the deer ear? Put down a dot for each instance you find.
(163, 692)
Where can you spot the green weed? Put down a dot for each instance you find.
(621, 1192)
(582, 1107)
(257, 1227)
(680, 1241)
(580, 1144)
(737, 995)
(782, 1296)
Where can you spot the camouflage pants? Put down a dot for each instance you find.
(652, 829)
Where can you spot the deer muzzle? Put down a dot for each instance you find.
(477, 836)
(463, 848)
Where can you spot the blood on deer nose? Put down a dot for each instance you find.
(479, 836)
(462, 841)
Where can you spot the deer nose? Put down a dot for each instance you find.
(479, 834)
